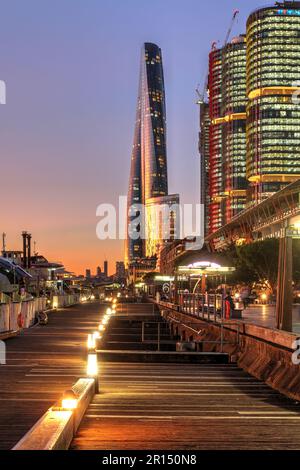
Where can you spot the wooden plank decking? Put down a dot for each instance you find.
(42, 362)
(151, 405)
(186, 406)
(140, 405)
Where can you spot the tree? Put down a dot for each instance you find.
(258, 261)
(261, 258)
(243, 273)
(149, 277)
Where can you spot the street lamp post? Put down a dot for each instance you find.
(284, 301)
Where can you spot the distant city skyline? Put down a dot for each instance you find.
(66, 130)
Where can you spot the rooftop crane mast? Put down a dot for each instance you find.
(234, 16)
(201, 95)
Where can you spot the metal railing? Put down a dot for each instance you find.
(221, 341)
(160, 326)
(206, 306)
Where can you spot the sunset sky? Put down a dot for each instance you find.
(71, 69)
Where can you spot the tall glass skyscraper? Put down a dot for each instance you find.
(254, 132)
(204, 161)
(234, 127)
(216, 183)
(148, 174)
(273, 116)
(227, 182)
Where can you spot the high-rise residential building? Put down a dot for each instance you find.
(273, 73)
(99, 272)
(204, 160)
(88, 274)
(148, 174)
(226, 167)
(216, 180)
(234, 127)
(120, 271)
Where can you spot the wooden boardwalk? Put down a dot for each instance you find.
(41, 363)
(167, 406)
(140, 405)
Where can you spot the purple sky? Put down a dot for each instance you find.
(71, 69)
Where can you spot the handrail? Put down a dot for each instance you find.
(222, 325)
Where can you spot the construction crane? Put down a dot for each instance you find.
(200, 95)
(234, 16)
(214, 45)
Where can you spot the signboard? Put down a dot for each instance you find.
(166, 288)
(289, 12)
(293, 232)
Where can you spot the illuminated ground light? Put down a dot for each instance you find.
(91, 343)
(264, 297)
(92, 365)
(69, 400)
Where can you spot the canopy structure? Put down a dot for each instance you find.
(199, 272)
(204, 268)
(201, 268)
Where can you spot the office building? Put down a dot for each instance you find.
(163, 222)
(254, 114)
(148, 174)
(273, 74)
(204, 161)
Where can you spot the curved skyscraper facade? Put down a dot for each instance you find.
(273, 116)
(148, 174)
